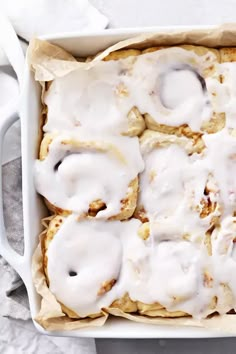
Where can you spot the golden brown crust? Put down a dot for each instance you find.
(227, 55)
(136, 123)
(153, 49)
(151, 139)
(53, 228)
(199, 50)
(215, 124)
(125, 304)
(128, 205)
(182, 130)
(122, 54)
(144, 231)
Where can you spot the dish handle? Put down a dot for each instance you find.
(8, 115)
(12, 257)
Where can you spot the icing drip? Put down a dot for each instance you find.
(224, 261)
(221, 159)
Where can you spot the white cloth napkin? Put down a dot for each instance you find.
(3, 58)
(38, 17)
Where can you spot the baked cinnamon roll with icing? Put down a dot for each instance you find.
(177, 85)
(184, 102)
(96, 100)
(82, 262)
(177, 187)
(90, 176)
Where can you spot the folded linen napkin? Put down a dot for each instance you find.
(33, 18)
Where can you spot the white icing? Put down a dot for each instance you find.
(172, 266)
(187, 88)
(221, 159)
(174, 278)
(87, 174)
(172, 189)
(170, 273)
(100, 98)
(92, 250)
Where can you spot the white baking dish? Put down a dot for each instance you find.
(34, 210)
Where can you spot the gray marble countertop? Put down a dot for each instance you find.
(18, 337)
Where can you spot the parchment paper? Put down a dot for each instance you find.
(49, 62)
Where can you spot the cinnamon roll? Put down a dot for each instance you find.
(82, 262)
(96, 100)
(177, 188)
(179, 96)
(89, 176)
(168, 277)
(183, 101)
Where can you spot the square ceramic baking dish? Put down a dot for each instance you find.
(33, 209)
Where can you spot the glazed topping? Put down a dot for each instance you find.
(187, 88)
(187, 259)
(82, 258)
(76, 173)
(172, 274)
(176, 183)
(169, 84)
(173, 191)
(93, 263)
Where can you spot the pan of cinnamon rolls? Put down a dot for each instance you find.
(137, 165)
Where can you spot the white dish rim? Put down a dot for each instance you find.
(33, 209)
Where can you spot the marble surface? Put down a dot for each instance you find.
(18, 337)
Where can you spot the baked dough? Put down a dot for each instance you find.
(144, 225)
(70, 175)
(201, 62)
(176, 187)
